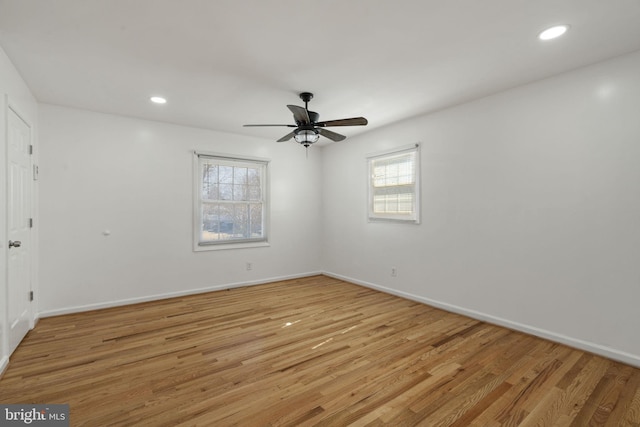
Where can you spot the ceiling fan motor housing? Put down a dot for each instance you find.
(313, 116)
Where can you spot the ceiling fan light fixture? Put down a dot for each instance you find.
(306, 137)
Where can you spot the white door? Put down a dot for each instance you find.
(19, 180)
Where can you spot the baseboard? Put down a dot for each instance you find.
(35, 320)
(117, 303)
(608, 352)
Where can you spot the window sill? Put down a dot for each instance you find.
(394, 220)
(226, 246)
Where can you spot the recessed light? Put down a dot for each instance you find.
(158, 100)
(553, 32)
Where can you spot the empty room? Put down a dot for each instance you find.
(325, 213)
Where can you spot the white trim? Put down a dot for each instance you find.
(608, 352)
(4, 362)
(4, 280)
(396, 150)
(226, 246)
(12, 106)
(195, 201)
(128, 301)
(232, 157)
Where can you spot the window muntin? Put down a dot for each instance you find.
(232, 204)
(394, 185)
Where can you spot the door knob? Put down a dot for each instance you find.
(15, 244)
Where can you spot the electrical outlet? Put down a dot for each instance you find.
(394, 272)
(249, 266)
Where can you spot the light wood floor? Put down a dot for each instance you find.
(313, 351)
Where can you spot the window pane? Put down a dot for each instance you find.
(239, 192)
(226, 191)
(255, 219)
(241, 221)
(254, 176)
(209, 181)
(392, 204)
(226, 174)
(210, 221)
(210, 192)
(378, 175)
(226, 221)
(405, 172)
(254, 193)
(391, 174)
(405, 203)
(209, 173)
(240, 175)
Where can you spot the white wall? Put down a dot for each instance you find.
(530, 209)
(134, 178)
(15, 92)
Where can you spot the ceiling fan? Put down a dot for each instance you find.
(308, 129)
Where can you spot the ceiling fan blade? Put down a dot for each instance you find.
(331, 135)
(291, 126)
(286, 137)
(300, 114)
(355, 121)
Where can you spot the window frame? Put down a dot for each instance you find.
(198, 243)
(414, 216)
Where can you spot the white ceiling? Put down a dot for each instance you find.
(224, 63)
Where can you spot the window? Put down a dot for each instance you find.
(231, 202)
(394, 185)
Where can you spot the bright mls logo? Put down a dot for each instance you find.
(36, 415)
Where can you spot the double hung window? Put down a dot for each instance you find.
(394, 185)
(231, 199)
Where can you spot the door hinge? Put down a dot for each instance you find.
(30, 295)
(31, 149)
(35, 172)
(30, 222)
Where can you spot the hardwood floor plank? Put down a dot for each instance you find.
(311, 351)
(622, 413)
(604, 397)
